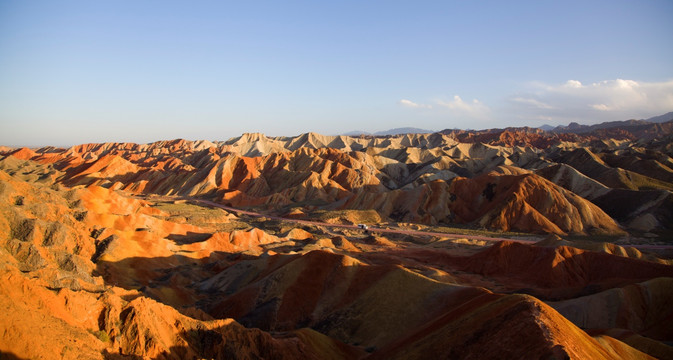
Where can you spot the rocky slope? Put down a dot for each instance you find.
(105, 254)
(412, 178)
(51, 248)
(102, 275)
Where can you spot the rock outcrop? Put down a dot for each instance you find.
(117, 250)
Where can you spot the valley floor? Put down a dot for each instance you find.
(463, 245)
(164, 278)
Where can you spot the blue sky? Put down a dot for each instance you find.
(92, 71)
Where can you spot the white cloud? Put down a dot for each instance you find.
(474, 109)
(452, 112)
(411, 104)
(624, 84)
(615, 95)
(534, 103)
(607, 100)
(573, 84)
(601, 107)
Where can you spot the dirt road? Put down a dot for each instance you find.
(394, 230)
(371, 229)
(377, 229)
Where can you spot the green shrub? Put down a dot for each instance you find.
(101, 335)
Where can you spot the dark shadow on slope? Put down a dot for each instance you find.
(560, 273)
(173, 280)
(116, 356)
(236, 342)
(292, 180)
(624, 205)
(290, 292)
(4, 355)
(161, 278)
(189, 238)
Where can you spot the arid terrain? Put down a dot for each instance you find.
(492, 244)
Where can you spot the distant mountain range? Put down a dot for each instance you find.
(573, 127)
(578, 128)
(661, 118)
(396, 131)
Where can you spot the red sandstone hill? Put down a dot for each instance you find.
(52, 295)
(23, 153)
(561, 267)
(526, 203)
(510, 327)
(369, 172)
(347, 180)
(514, 137)
(89, 272)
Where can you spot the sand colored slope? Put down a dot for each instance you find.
(60, 323)
(134, 244)
(654, 165)
(305, 175)
(526, 203)
(651, 347)
(44, 231)
(592, 166)
(29, 171)
(75, 325)
(571, 179)
(369, 172)
(78, 266)
(52, 295)
(522, 202)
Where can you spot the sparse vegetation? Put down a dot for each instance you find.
(347, 216)
(159, 268)
(466, 230)
(101, 335)
(80, 215)
(204, 216)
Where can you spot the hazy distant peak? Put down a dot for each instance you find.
(403, 130)
(356, 133)
(661, 118)
(546, 127)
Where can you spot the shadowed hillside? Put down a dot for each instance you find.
(250, 248)
(411, 177)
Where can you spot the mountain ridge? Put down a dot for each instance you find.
(113, 250)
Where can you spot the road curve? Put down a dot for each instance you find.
(354, 227)
(394, 231)
(379, 230)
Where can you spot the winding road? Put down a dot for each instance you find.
(377, 229)
(394, 231)
(355, 227)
